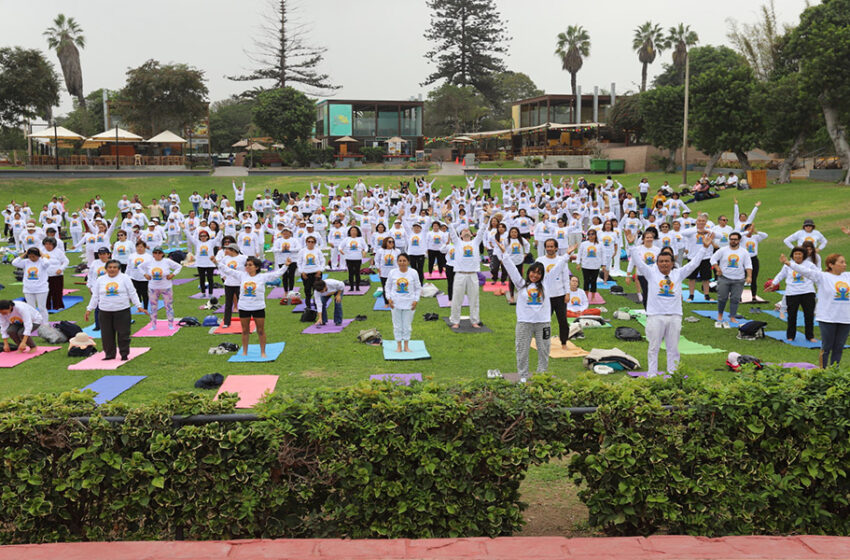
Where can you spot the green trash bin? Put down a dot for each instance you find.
(599, 165)
(616, 165)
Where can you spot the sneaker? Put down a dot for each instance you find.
(718, 324)
(725, 325)
(691, 297)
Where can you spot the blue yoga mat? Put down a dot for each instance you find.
(273, 351)
(160, 305)
(605, 285)
(110, 386)
(699, 297)
(417, 347)
(713, 316)
(380, 305)
(68, 301)
(89, 330)
(800, 319)
(374, 278)
(800, 341)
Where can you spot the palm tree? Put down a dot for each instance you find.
(649, 42)
(65, 36)
(681, 38)
(572, 46)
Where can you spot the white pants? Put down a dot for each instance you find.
(466, 283)
(39, 301)
(402, 323)
(665, 328)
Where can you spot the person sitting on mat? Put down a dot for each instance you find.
(324, 290)
(576, 298)
(112, 294)
(18, 321)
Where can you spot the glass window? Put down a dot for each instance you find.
(388, 122)
(364, 122)
(562, 114)
(411, 121)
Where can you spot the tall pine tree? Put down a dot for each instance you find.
(285, 58)
(469, 39)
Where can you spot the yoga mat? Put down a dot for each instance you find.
(555, 350)
(217, 292)
(97, 362)
(68, 291)
(417, 351)
(490, 287)
(219, 310)
(595, 299)
(330, 328)
(181, 281)
(380, 305)
(374, 278)
(279, 293)
(699, 297)
(161, 330)
(801, 320)
(797, 365)
(110, 386)
(234, 328)
(800, 341)
(733, 322)
(605, 285)
(273, 350)
(160, 304)
(444, 301)
(435, 276)
(465, 327)
(690, 347)
(11, 359)
(634, 298)
(89, 330)
(67, 301)
(299, 308)
(250, 388)
(747, 297)
(398, 378)
(360, 291)
(324, 276)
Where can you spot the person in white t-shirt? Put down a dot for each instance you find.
(403, 290)
(734, 268)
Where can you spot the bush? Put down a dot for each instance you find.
(531, 161)
(373, 154)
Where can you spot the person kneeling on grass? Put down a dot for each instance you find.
(324, 291)
(403, 293)
(18, 321)
(252, 298)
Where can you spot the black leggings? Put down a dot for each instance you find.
(354, 273)
(231, 295)
(589, 275)
(384, 289)
(495, 267)
(519, 267)
(559, 308)
(436, 256)
(450, 279)
(142, 289)
(754, 285)
(417, 263)
(205, 274)
(644, 289)
(288, 278)
(311, 278)
(807, 302)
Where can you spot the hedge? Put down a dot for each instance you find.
(764, 454)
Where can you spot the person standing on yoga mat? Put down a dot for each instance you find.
(533, 312)
(230, 258)
(311, 263)
(404, 291)
(159, 273)
(833, 306)
(517, 249)
(354, 249)
(664, 303)
(435, 241)
(135, 270)
(646, 252)
(252, 298)
(204, 252)
(112, 295)
(386, 258)
(325, 290)
(416, 248)
(734, 269)
(285, 250)
(19, 321)
(694, 240)
(36, 271)
(557, 286)
(799, 292)
(56, 281)
(467, 263)
(589, 259)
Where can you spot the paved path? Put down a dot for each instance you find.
(228, 171)
(451, 168)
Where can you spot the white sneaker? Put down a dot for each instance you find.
(725, 325)
(718, 325)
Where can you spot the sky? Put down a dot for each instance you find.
(375, 47)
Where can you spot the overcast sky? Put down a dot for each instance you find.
(375, 47)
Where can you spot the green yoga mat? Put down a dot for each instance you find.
(685, 346)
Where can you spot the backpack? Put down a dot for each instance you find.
(627, 333)
(209, 381)
(210, 321)
(751, 330)
(189, 322)
(77, 352)
(51, 334)
(177, 256)
(616, 289)
(68, 329)
(309, 316)
(369, 336)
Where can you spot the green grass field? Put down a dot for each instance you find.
(309, 361)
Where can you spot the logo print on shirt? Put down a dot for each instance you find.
(415, 241)
(467, 250)
(733, 261)
(32, 273)
(665, 288)
(751, 247)
(204, 251)
(842, 291)
(515, 248)
(575, 302)
(796, 278)
(389, 259)
(649, 258)
(533, 296)
(311, 259)
(249, 289)
(112, 289)
(401, 286)
(156, 274)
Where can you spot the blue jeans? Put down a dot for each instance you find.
(833, 337)
(337, 310)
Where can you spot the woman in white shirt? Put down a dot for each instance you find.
(229, 257)
(403, 290)
(386, 258)
(252, 298)
(609, 239)
(590, 260)
(204, 248)
(435, 241)
(311, 264)
(285, 249)
(122, 249)
(159, 272)
(56, 281)
(516, 247)
(112, 295)
(353, 248)
(833, 306)
(799, 292)
(36, 272)
(135, 270)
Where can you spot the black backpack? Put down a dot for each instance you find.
(77, 352)
(309, 316)
(177, 256)
(616, 289)
(751, 330)
(209, 381)
(628, 334)
(189, 322)
(68, 329)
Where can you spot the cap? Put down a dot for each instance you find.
(104, 250)
(808, 222)
(157, 250)
(232, 247)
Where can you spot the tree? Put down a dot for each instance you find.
(649, 41)
(284, 57)
(681, 38)
(286, 114)
(662, 110)
(821, 44)
(701, 60)
(721, 118)
(82, 121)
(454, 109)
(509, 87)
(758, 43)
(626, 116)
(29, 86)
(158, 97)
(469, 39)
(12, 138)
(230, 121)
(573, 47)
(64, 37)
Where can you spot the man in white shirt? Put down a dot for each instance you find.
(734, 268)
(239, 196)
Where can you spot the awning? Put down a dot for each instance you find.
(346, 139)
(166, 137)
(58, 133)
(117, 133)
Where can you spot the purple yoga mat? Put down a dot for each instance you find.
(181, 281)
(399, 378)
(218, 292)
(798, 365)
(278, 293)
(360, 291)
(330, 328)
(444, 301)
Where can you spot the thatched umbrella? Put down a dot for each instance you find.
(57, 133)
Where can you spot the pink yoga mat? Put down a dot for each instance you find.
(250, 388)
(595, 299)
(330, 328)
(67, 291)
(97, 361)
(490, 287)
(11, 359)
(435, 276)
(161, 330)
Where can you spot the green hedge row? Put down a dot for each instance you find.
(763, 454)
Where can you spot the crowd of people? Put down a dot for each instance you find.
(528, 236)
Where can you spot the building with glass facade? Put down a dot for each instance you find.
(371, 123)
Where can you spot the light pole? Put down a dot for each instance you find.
(685, 128)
